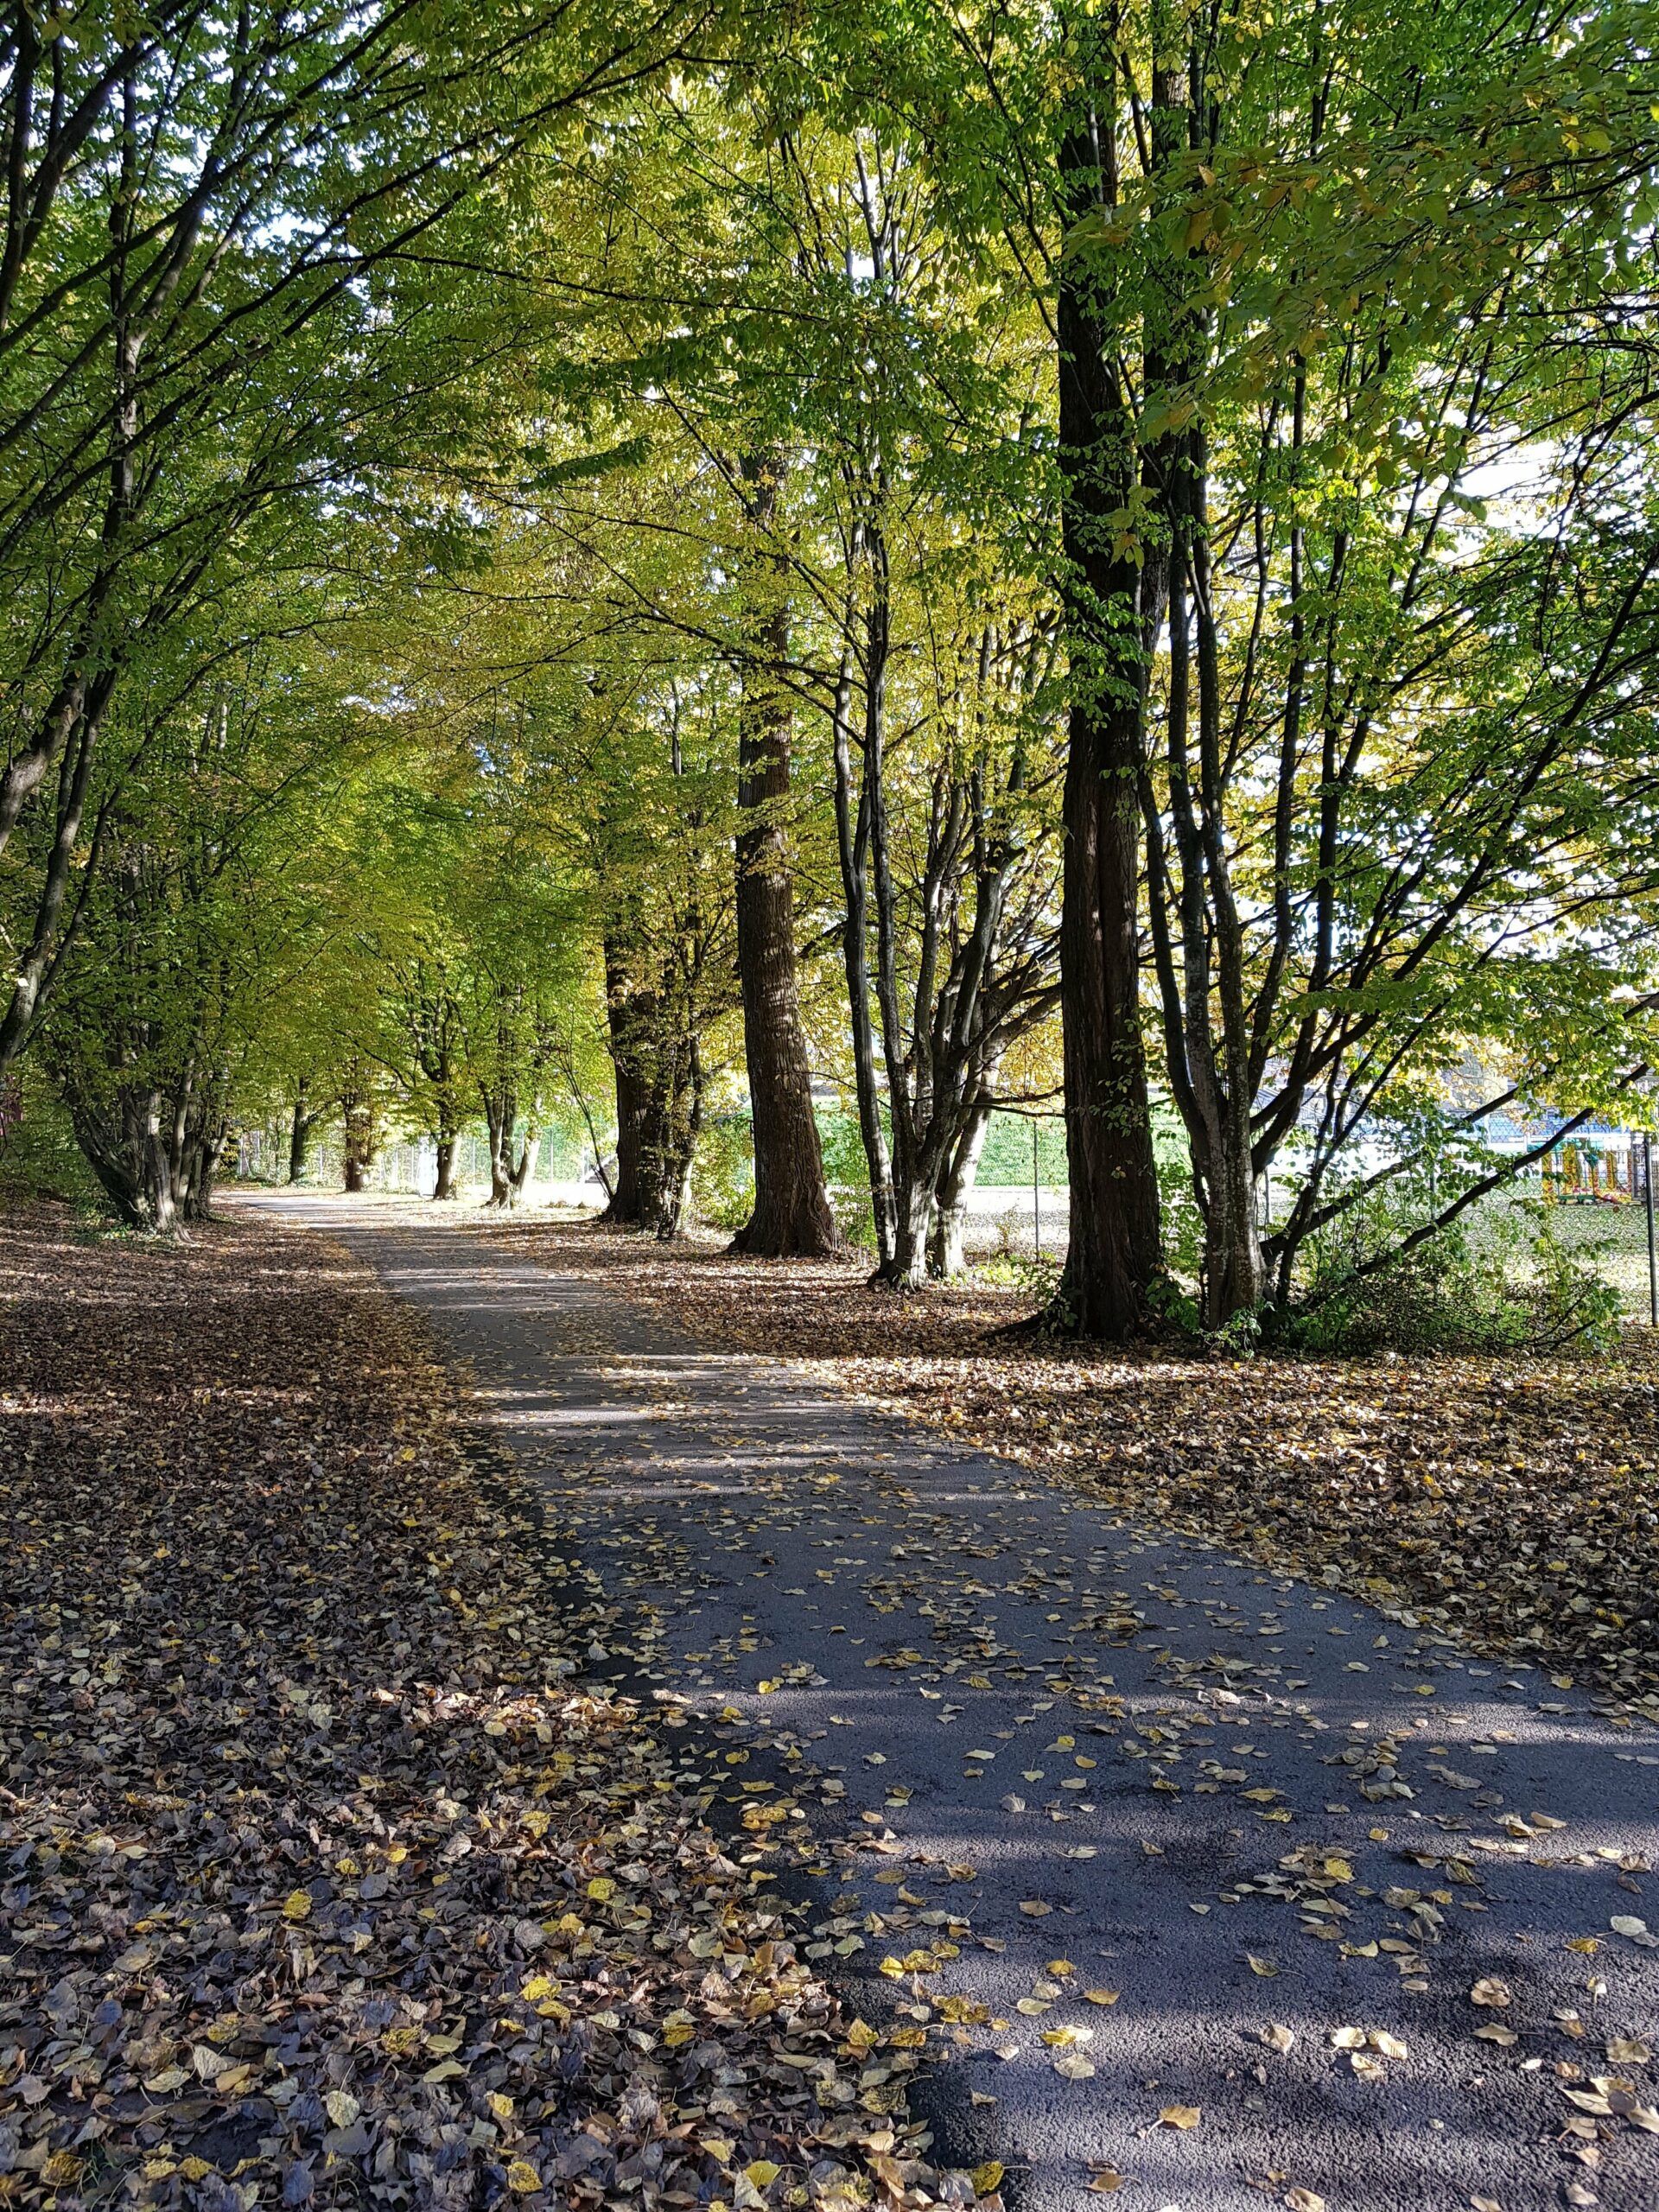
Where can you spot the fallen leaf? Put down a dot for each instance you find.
(1181, 2116)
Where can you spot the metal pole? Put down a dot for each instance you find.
(1036, 1202)
(1653, 1251)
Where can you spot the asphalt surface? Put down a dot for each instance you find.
(1243, 1804)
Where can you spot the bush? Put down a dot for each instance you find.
(1507, 1285)
(847, 1173)
(722, 1174)
(1038, 1280)
(39, 1157)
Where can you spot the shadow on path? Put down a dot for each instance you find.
(1132, 1765)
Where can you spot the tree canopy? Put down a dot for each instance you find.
(652, 570)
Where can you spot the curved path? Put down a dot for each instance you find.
(1244, 1805)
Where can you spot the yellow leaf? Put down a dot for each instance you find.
(1181, 2116)
(1265, 1967)
(762, 2173)
(341, 2107)
(601, 1889)
(297, 1904)
(987, 2177)
(522, 2178)
(501, 2105)
(1102, 1996)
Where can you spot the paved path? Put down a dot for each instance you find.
(1241, 1803)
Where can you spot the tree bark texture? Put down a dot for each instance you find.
(628, 1016)
(445, 1186)
(792, 1216)
(299, 1134)
(1113, 602)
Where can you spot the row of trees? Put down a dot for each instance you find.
(946, 556)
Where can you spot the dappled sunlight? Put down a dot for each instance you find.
(1045, 1772)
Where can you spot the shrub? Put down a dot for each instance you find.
(847, 1173)
(1502, 1284)
(722, 1174)
(39, 1157)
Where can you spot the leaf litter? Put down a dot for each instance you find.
(323, 1877)
(1326, 1887)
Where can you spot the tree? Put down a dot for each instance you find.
(792, 1206)
(217, 220)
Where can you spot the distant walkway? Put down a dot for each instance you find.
(1243, 1805)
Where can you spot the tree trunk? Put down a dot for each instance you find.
(673, 1122)
(945, 1256)
(520, 1173)
(445, 1186)
(124, 1146)
(853, 838)
(1112, 604)
(629, 1013)
(500, 1112)
(1235, 1277)
(791, 1213)
(299, 1138)
(357, 1112)
(202, 1154)
(912, 1218)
